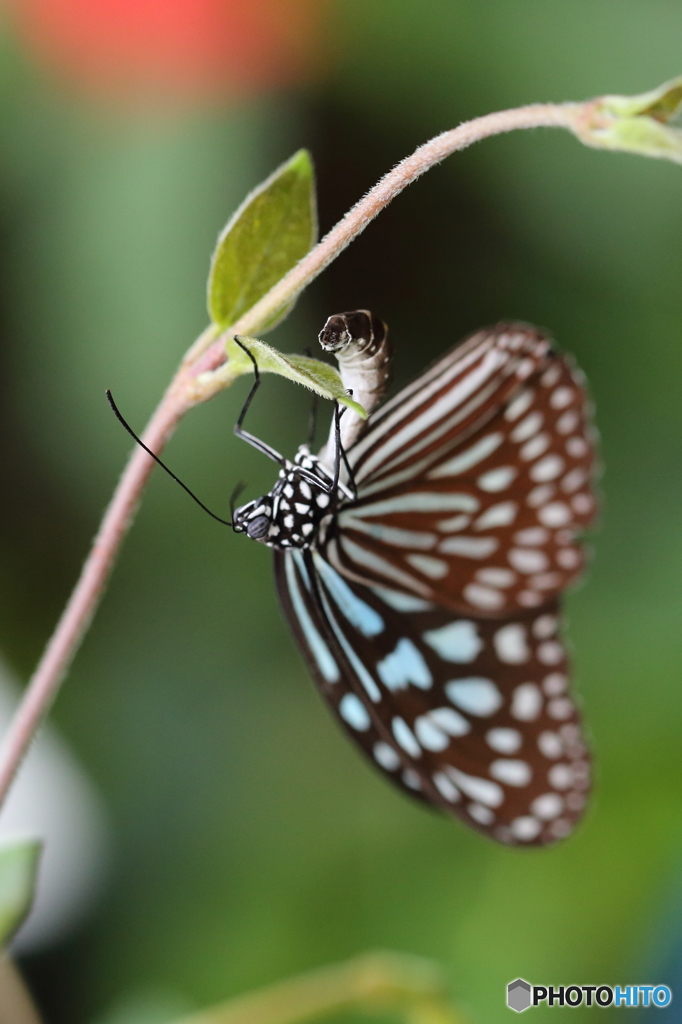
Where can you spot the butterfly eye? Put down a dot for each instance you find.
(258, 528)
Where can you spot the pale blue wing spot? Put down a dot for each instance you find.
(458, 642)
(359, 614)
(402, 602)
(476, 695)
(353, 711)
(318, 648)
(403, 666)
(356, 664)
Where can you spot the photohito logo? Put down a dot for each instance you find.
(521, 995)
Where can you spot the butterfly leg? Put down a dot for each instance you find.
(255, 442)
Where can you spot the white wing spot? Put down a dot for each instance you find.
(525, 828)
(503, 740)
(548, 468)
(510, 644)
(550, 652)
(483, 597)
(454, 524)
(555, 684)
(353, 711)
(511, 772)
(496, 577)
(446, 787)
(560, 708)
(386, 756)
(405, 737)
(533, 536)
(497, 479)
(411, 778)
(555, 514)
(528, 560)
(547, 806)
(526, 702)
(436, 568)
(458, 642)
(560, 776)
(497, 515)
(551, 376)
(403, 666)
(539, 495)
(561, 398)
(577, 447)
(482, 790)
(535, 447)
(483, 815)
(475, 695)
(583, 503)
(550, 744)
(530, 598)
(465, 460)
(527, 427)
(567, 423)
(573, 480)
(544, 627)
(469, 547)
(322, 500)
(519, 405)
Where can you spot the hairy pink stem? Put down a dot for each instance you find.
(85, 598)
(185, 391)
(538, 115)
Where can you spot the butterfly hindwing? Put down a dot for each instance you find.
(474, 481)
(472, 715)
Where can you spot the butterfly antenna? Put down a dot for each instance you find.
(124, 423)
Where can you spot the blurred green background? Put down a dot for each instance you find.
(250, 841)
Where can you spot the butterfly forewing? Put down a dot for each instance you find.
(472, 715)
(474, 480)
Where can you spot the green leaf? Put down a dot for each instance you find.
(18, 871)
(271, 231)
(311, 373)
(635, 124)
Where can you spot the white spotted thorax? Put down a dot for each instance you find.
(292, 513)
(425, 594)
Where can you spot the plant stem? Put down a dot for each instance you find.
(195, 382)
(371, 981)
(538, 115)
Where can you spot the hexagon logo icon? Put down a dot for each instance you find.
(518, 995)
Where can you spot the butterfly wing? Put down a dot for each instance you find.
(474, 481)
(471, 715)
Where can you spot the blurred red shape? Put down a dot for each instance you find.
(174, 48)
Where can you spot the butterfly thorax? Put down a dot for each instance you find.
(291, 514)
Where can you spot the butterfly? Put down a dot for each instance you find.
(424, 590)
(420, 560)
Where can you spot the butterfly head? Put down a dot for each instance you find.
(291, 514)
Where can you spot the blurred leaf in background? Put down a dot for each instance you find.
(253, 842)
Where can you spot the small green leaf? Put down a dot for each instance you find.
(18, 871)
(271, 231)
(635, 124)
(311, 373)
